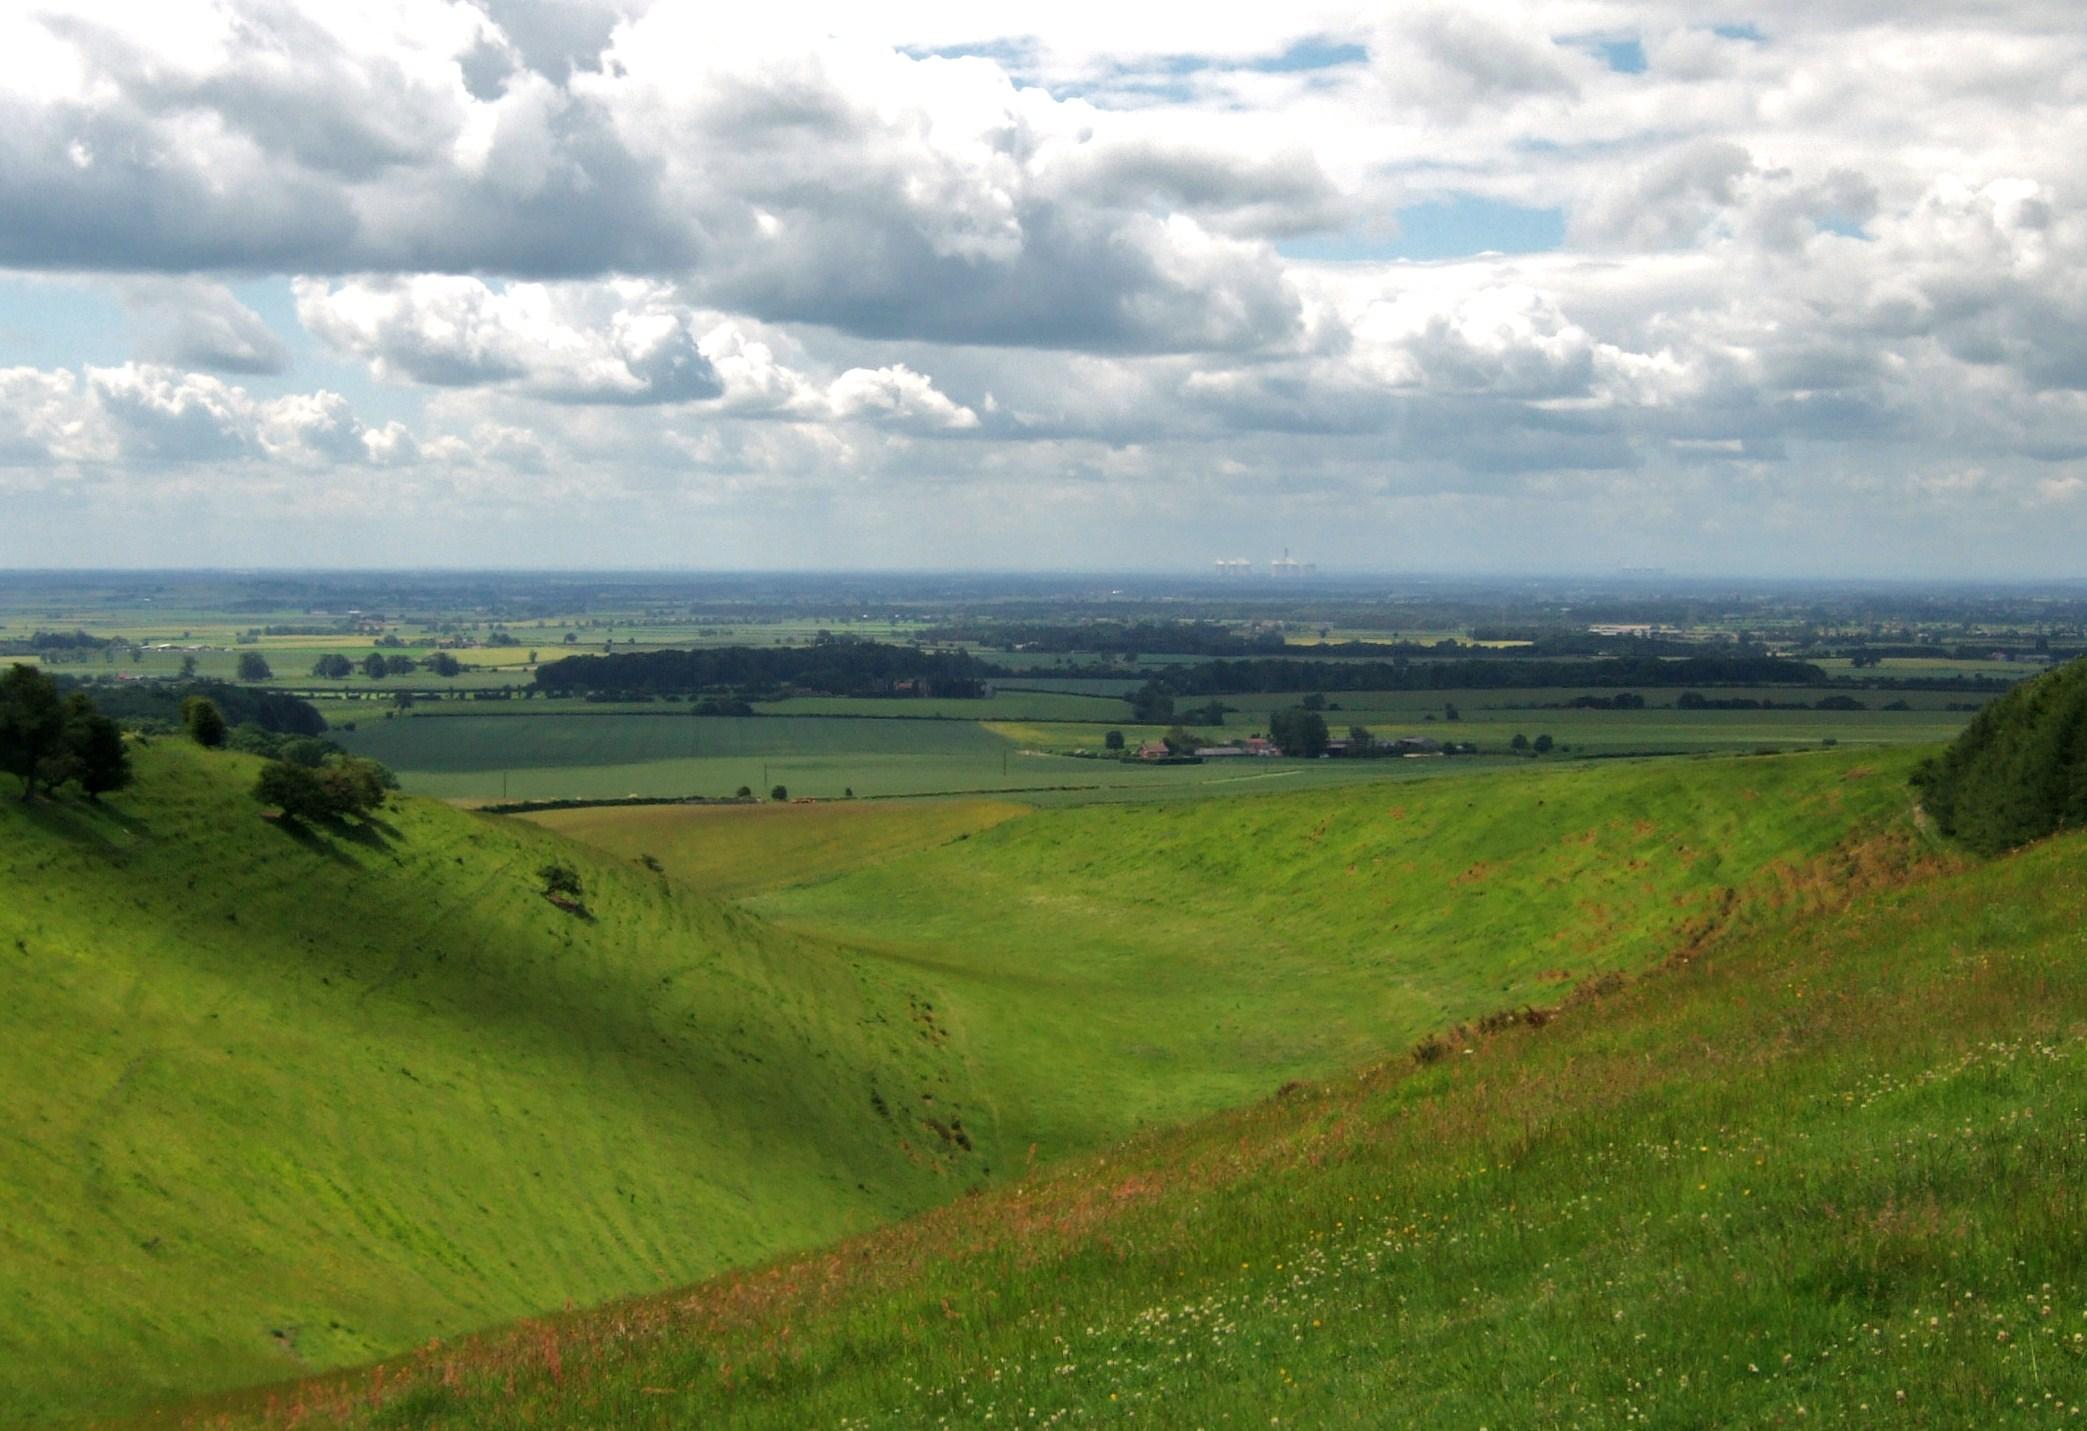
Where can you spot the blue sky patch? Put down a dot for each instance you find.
(1626, 57)
(1457, 227)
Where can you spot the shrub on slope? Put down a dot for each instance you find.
(2019, 772)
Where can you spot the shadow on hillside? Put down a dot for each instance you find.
(325, 837)
(84, 821)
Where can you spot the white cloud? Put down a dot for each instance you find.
(661, 249)
(897, 395)
(623, 342)
(190, 323)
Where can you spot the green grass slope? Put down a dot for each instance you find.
(736, 850)
(1827, 1172)
(278, 1102)
(1115, 967)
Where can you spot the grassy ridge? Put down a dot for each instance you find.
(281, 1103)
(1111, 967)
(1827, 1172)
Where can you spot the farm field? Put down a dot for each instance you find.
(664, 752)
(1580, 733)
(1707, 1197)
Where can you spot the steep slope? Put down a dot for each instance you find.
(1826, 1172)
(280, 1101)
(1146, 964)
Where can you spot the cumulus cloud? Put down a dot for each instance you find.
(149, 414)
(626, 342)
(192, 324)
(713, 254)
(900, 396)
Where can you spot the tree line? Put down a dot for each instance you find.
(333, 666)
(1207, 678)
(836, 667)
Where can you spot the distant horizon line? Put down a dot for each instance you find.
(1259, 575)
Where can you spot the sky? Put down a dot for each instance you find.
(1771, 289)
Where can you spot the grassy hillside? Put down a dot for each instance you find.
(1112, 967)
(737, 850)
(1826, 1172)
(284, 1102)
(278, 1103)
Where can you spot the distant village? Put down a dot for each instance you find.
(1258, 747)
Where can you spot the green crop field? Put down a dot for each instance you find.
(559, 753)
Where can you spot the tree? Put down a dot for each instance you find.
(444, 664)
(746, 792)
(32, 724)
(308, 751)
(1152, 703)
(1316, 701)
(779, 793)
(333, 666)
(293, 789)
(188, 667)
(94, 751)
(1180, 741)
(1450, 711)
(1519, 744)
(354, 787)
(1113, 740)
(400, 665)
(1299, 732)
(204, 722)
(1542, 745)
(253, 666)
(375, 667)
(1360, 741)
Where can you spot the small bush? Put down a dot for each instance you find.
(560, 878)
(204, 722)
